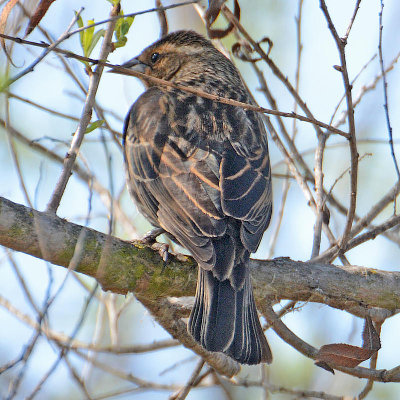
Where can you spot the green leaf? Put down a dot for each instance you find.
(94, 41)
(124, 27)
(94, 125)
(126, 24)
(117, 29)
(4, 82)
(88, 36)
(121, 42)
(121, 29)
(79, 22)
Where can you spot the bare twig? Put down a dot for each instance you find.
(125, 71)
(116, 17)
(297, 394)
(85, 119)
(48, 49)
(277, 72)
(367, 88)
(85, 176)
(319, 185)
(64, 350)
(182, 394)
(385, 95)
(311, 352)
(341, 44)
(355, 102)
(364, 221)
(14, 154)
(162, 18)
(356, 8)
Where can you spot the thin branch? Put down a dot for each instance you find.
(311, 352)
(367, 88)
(14, 154)
(302, 182)
(129, 377)
(125, 71)
(385, 94)
(356, 8)
(319, 198)
(85, 118)
(63, 339)
(43, 108)
(135, 14)
(355, 102)
(370, 235)
(183, 393)
(47, 50)
(64, 350)
(162, 18)
(364, 222)
(341, 44)
(85, 176)
(298, 394)
(277, 72)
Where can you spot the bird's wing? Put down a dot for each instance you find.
(245, 179)
(176, 182)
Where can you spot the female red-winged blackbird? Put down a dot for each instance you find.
(200, 170)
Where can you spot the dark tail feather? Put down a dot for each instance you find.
(224, 319)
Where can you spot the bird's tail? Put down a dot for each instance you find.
(225, 319)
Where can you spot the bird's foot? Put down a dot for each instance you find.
(151, 236)
(162, 249)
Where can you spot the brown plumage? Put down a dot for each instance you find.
(200, 170)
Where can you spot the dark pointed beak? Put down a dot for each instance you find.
(133, 64)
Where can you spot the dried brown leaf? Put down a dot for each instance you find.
(325, 366)
(211, 15)
(243, 50)
(3, 21)
(213, 10)
(344, 355)
(370, 336)
(37, 16)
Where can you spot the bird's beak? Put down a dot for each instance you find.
(133, 64)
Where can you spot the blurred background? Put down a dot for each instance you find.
(26, 282)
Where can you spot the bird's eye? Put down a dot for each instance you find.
(154, 57)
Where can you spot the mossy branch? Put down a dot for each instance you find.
(121, 266)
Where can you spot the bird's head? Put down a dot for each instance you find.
(181, 57)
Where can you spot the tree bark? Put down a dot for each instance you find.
(122, 266)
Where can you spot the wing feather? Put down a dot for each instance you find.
(246, 180)
(193, 189)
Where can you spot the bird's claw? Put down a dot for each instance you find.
(162, 249)
(151, 236)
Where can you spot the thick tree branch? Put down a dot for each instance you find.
(122, 266)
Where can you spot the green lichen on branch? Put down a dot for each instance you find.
(123, 266)
(117, 265)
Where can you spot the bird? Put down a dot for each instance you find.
(200, 170)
